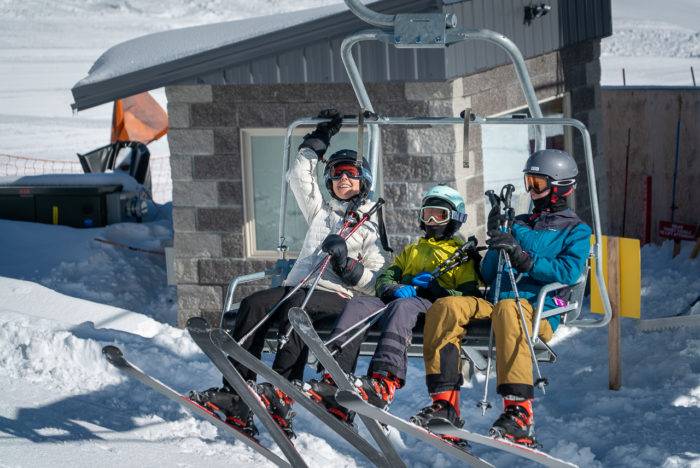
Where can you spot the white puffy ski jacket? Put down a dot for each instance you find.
(326, 218)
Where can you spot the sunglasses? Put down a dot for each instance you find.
(435, 214)
(350, 170)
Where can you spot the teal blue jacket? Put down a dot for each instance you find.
(558, 243)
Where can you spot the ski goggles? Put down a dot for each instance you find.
(435, 214)
(351, 171)
(539, 183)
(536, 183)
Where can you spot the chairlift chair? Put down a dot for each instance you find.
(435, 30)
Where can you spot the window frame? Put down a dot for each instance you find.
(249, 229)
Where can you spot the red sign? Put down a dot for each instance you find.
(678, 231)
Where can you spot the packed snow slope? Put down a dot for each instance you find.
(64, 296)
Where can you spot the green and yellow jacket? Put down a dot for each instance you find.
(425, 255)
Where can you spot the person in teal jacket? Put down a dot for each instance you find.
(551, 244)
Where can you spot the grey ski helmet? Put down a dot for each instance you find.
(346, 156)
(553, 163)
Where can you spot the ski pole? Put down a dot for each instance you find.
(377, 315)
(282, 340)
(510, 215)
(485, 404)
(355, 325)
(304, 280)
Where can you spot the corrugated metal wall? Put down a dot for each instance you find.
(568, 22)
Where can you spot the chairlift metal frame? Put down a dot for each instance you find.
(439, 30)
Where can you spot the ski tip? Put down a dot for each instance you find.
(298, 315)
(197, 324)
(112, 354)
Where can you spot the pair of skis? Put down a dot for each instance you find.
(217, 344)
(350, 398)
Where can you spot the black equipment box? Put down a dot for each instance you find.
(80, 207)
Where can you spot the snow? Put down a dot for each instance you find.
(64, 295)
(656, 43)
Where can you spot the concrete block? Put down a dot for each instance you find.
(219, 219)
(424, 141)
(230, 193)
(178, 115)
(489, 102)
(186, 271)
(217, 114)
(227, 141)
(197, 297)
(402, 221)
(403, 168)
(181, 167)
(386, 92)
(261, 114)
(189, 93)
(183, 219)
(195, 193)
(233, 244)
(223, 270)
(191, 141)
(219, 167)
(443, 167)
(582, 98)
(197, 245)
(259, 93)
(333, 92)
(428, 91)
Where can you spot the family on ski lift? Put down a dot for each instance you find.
(551, 244)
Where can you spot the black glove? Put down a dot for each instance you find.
(494, 220)
(520, 259)
(433, 292)
(319, 139)
(349, 270)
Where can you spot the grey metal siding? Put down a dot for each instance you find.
(302, 54)
(568, 22)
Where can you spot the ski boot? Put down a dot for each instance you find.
(378, 389)
(517, 423)
(323, 392)
(279, 405)
(228, 406)
(445, 411)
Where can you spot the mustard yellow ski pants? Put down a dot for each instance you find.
(445, 326)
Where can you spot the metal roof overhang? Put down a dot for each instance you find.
(172, 72)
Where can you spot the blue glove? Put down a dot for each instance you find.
(405, 292)
(422, 280)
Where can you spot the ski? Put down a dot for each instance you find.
(199, 331)
(446, 428)
(231, 347)
(116, 358)
(304, 327)
(353, 401)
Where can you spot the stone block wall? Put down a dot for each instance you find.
(204, 136)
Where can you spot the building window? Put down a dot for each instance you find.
(507, 147)
(262, 185)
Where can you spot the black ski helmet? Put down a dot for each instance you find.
(346, 156)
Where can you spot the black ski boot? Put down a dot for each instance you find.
(279, 405)
(323, 392)
(441, 410)
(516, 423)
(228, 406)
(377, 389)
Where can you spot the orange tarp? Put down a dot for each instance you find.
(138, 118)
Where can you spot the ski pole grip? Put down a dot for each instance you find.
(508, 189)
(493, 198)
(380, 202)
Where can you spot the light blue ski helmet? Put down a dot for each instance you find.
(451, 196)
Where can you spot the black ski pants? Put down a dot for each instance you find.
(291, 358)
(396, 323)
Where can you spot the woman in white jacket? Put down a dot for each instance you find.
(354, 266)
